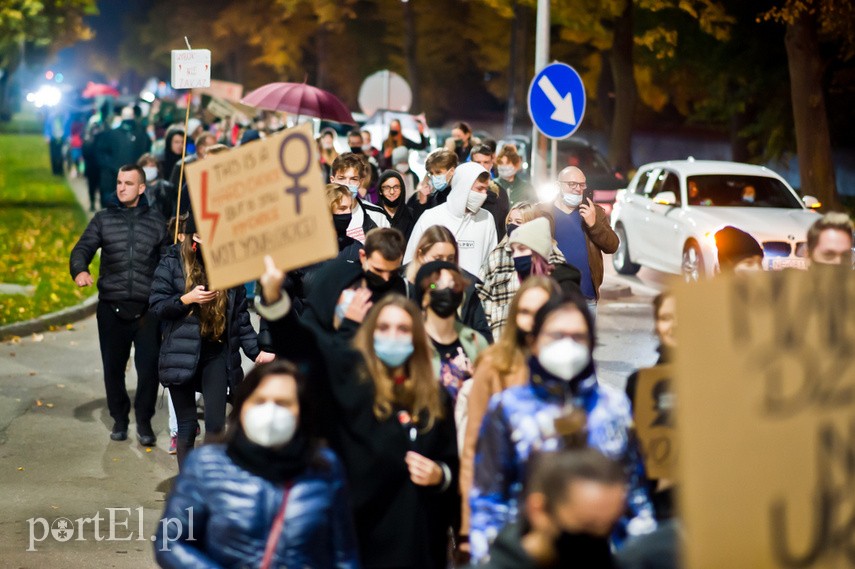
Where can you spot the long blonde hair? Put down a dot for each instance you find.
(212, 315)
(419, 393)
(507, 353)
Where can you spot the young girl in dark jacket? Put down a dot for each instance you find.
(386, 416)
(202, 333)
(272, 496)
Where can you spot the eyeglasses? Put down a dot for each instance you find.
(574, 186)
(391, 188)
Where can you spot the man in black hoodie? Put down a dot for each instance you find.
(375, 275)
(573, 499)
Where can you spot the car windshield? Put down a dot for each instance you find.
(732, 190)
(587, 159)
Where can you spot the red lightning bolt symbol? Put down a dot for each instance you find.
(213, 216)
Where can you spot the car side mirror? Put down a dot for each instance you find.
(811, 202)
(665, 198)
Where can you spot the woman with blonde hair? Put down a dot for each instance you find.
(499, 367)
(203, 331)
(386, 416)
(437, 243)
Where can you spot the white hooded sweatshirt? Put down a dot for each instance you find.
(475, 233)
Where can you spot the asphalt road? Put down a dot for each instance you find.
(58, 462)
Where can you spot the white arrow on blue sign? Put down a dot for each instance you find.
(556, 100)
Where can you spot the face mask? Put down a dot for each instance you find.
(393, 351)
(341, 307)
(150, 173)
(748, 199)
(356, 149)
(326, 145)
(341, 221)
(438, 182)
(564, 359)
(572, 200)
(445, 301)
(269, 425)
(510, 228)
(367, 148)
(394, 132)
(393, 203)
(377, 284)
(402, 168)
(522, 265)
(354, 189)
(506, 172)
(475, 200)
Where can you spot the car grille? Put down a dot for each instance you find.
(777, 249)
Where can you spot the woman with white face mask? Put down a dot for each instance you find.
(271, 496)
(386, 415)
(561, 406)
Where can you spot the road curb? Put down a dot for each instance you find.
(614, 291)
(44, 322)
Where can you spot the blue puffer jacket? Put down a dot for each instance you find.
(520, 421)
(229, 512)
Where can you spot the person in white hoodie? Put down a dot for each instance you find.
(472, 227)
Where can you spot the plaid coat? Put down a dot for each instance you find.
(499, 284)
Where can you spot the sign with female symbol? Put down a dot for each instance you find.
(263, 198)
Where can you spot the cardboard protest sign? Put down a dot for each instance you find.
(653, 409)
(765, 378)
(191, 68)
(263, 198)
(225, 90)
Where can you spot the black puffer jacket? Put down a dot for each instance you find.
(182, 341)
(130, 240)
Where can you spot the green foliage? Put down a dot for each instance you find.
(40, 221)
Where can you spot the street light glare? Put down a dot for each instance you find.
(46, 96)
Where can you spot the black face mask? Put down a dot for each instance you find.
(341, 221)
(377, 284)
(445, 301)
(356, 149)
(394, 132)
(510, 228)
(583, 550)
(522, 338)
(522, 265)
(394, 204)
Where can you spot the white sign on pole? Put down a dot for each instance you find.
(191, 68)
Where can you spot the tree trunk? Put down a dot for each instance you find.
(813, 143)
(410, 39)
(620, 145)
(606, 91)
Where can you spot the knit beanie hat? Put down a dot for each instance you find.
(734, 245)
(400, 155)
(536, 235)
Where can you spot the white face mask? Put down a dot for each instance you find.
(572, 200)
(475, 200)
(506, 171)
(150, 173)
(403, 168)
(269, 425)
(564, 358)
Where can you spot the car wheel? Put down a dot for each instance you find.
(620, 259)
(692, 266)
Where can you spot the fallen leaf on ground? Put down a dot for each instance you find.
(15, 340)
(69, 326)
(32, 373)
(60, 385)
(148, 450)
(38, 337)
(72, 343)
(49, 405)
(20, 468)
(39, 403)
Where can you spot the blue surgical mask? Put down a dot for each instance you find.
(438, 182)
(353, 189)
(748, 199)
(393, 351)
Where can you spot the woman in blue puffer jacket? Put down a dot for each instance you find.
(272, 496)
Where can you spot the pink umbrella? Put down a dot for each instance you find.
(299, 99)
(99, 89)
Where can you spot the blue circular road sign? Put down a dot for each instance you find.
(556, 100)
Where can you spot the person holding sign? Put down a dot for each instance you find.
(203, 333)
(385, 415)
(561, 406)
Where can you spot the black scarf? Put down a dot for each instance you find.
(274, 464)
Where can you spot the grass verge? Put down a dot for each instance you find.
(40, 221)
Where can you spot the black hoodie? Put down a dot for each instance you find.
(582, 552)
(403, 220)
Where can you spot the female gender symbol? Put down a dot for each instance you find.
(296, 190)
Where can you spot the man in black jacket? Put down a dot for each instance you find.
(130, 237)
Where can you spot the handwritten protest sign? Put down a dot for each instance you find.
(225, 90)
(653, 409)
(766, 420)
(264, 198)
(191, 68)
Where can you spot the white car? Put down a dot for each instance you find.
(668, 216)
